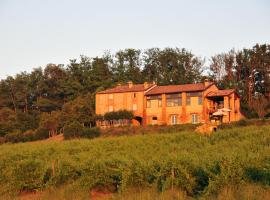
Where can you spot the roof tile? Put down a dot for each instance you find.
(178, 88)
(125, 88)
(220, 93)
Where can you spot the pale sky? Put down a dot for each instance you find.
(34, 33)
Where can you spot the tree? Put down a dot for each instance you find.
(101, 74)
(50, 122)
(22, 92)
(126, 66)
(7, 121)
(248, 71)
(80, 109)
(172, 66)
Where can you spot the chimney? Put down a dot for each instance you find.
(130, 84)
(206, 82)
(145, 85)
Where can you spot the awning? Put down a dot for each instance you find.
(225, 110)
(219, 113)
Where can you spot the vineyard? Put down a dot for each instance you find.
(184, 162)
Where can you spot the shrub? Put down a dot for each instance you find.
(73, 130)
(29, 135)
(242, 122)
(90, 132)
(14, 136)
(258, 175)
(98, 117)
(27, 121)
(28, 175)
(248, 112)
(41, 133)
(2, 140)
(77, 130)
(116, 115)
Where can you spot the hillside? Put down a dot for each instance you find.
(184, 161)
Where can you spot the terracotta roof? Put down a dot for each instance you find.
(178, 88)
(220, 93)
(125, 88)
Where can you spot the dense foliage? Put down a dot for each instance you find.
(199, 166)
(118, 115)
(248, 71)
(53, 97)
(77, 130)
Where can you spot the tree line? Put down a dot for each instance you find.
(50, 98)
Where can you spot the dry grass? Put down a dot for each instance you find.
(69, 192)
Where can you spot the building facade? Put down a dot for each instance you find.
(172, 104)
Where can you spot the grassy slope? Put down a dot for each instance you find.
(200, 166)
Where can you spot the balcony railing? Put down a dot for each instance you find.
(213, 109)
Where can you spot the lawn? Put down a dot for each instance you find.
(168, 164)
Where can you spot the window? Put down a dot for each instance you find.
(159, 103)
(134, 107)
(173, 119)
(110, 108)
(110, 96)
(173, 100)
(152, 98)
(200, 100)
(194, 94)
(134, 95)
(148, 103)
(194, 118)
(154, 120)
(188, 101)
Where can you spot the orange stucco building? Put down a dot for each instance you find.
(172, 104)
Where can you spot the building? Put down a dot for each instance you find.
(172, 104)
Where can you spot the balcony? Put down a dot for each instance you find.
(212, 109)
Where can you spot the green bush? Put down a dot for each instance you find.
(248, 112)
(258, 175)
(90, 132)
(41, 134)
(116, 115)
(73, 130)
(29, 135)
(77, 130)
(242, 122)
(28, 175)
(15, 136)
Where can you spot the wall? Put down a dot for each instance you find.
(164, 113)
(120, 101)
(153, 111)
(233, 103)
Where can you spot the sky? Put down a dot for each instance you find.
(34, 33)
